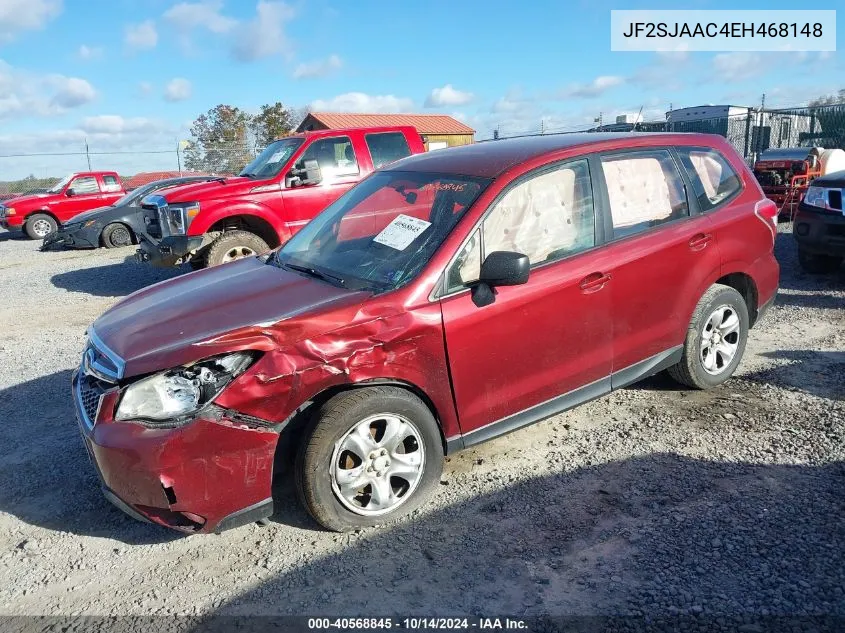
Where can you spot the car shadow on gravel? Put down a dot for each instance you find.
(47, 478)
(658, 535)
(6, 236)
(818, 373)
(114, 280)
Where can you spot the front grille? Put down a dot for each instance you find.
(89, 390)
(153, 226)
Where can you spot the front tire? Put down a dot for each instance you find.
(40, 225)
(715, 340)
(818, 264)
(233, 245)
(368, 456)
(116, 235)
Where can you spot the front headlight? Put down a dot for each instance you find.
(816, 197)
(179, 217)
(179, 392)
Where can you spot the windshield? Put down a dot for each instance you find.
(381, 233)
(57, 188)
(271, 160)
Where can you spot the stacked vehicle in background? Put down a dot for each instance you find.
(40, 214)
(292, 180)
(785, 173)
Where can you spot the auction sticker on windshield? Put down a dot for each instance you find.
(401, 232)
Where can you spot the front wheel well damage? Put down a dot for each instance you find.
(291, 433)
(252, 223)
(745, 286)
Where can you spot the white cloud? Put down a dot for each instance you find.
(187, 16)
(89, 52)
(178, 89)
(71, 92)
(264, 36)
(140, 36)
(145, 88)
(734, 67)
(26, 94)
(596, 87)
(447, 96)
(319, 68)
(25, 15)
(361, 102)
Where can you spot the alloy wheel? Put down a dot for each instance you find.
(41, 228)
(237, 252)
(719, 340)
(377, 464)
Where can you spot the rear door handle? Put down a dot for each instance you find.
(594, 281)
(699, 241)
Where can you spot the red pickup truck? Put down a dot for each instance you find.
(40, 214)
(290, 182)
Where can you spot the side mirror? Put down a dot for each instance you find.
(70, 193)
(505, 268)
(305, 173)
(500, 268)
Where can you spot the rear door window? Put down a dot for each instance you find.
(387, 147)
(111, 184)
(644, 189)
(713, 179)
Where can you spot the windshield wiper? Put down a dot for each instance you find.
(316, 273)
(248, 174)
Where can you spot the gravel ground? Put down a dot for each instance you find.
(652, 501)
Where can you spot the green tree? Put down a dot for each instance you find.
(219, 141)
(829, 114)
(272, 122)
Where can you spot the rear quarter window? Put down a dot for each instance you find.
(387, 147)
(713, 179)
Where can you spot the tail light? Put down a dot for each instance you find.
(767, 211)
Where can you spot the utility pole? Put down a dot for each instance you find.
(542, 126)
(179, 156)
(87, 155)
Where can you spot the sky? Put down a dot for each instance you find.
(130, 76)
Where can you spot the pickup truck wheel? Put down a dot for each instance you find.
(234, 245)
(39, 226)
(715, 340)
(368, 456)
(818, 264)
(116, 235)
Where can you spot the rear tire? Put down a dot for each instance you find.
(233, 245)
(715, 340)
(818, 264)
(367, 457)
(116, 235)
(39, 226)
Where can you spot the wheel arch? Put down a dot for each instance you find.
(44, 212)
(254, 219)
(295, 423)
(745, 286)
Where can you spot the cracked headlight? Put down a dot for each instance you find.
(816, 197)
(183, 391)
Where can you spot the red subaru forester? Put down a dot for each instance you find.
(445, 300)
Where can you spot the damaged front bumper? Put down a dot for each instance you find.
(208, 474)
(169, 251)
(74, 237)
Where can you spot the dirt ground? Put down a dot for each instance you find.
(653, 500)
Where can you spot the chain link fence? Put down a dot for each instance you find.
(39, 172)
(750, 133)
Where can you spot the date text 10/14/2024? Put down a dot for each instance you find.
(416, 624)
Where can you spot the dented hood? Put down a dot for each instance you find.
(243, 305)
(211, 189)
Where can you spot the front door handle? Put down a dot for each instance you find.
(700, 241)
(594, 281)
